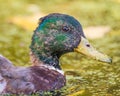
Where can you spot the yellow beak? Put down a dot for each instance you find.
(85, 48)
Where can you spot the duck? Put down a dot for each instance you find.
(56, 34)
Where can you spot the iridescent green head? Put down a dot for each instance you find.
(55, 35)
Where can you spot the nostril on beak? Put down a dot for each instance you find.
(88, 45)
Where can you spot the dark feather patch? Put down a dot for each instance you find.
(46, 79)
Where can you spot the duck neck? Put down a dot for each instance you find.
(45, 59)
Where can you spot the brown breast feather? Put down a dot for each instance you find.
(32, 79)
(45, 79)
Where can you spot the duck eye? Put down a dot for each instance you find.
(65, 28)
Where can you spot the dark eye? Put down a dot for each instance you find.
(66, 28)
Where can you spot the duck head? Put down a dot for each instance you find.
(58, 34)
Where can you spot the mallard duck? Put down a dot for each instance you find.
(55, 35)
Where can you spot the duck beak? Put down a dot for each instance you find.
(85, 48)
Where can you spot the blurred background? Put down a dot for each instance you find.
(101, 23)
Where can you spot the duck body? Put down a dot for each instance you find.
(16, 80)
(55, 35)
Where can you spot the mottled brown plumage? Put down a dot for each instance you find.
(30, 79)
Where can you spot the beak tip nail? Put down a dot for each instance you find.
(110, 60)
